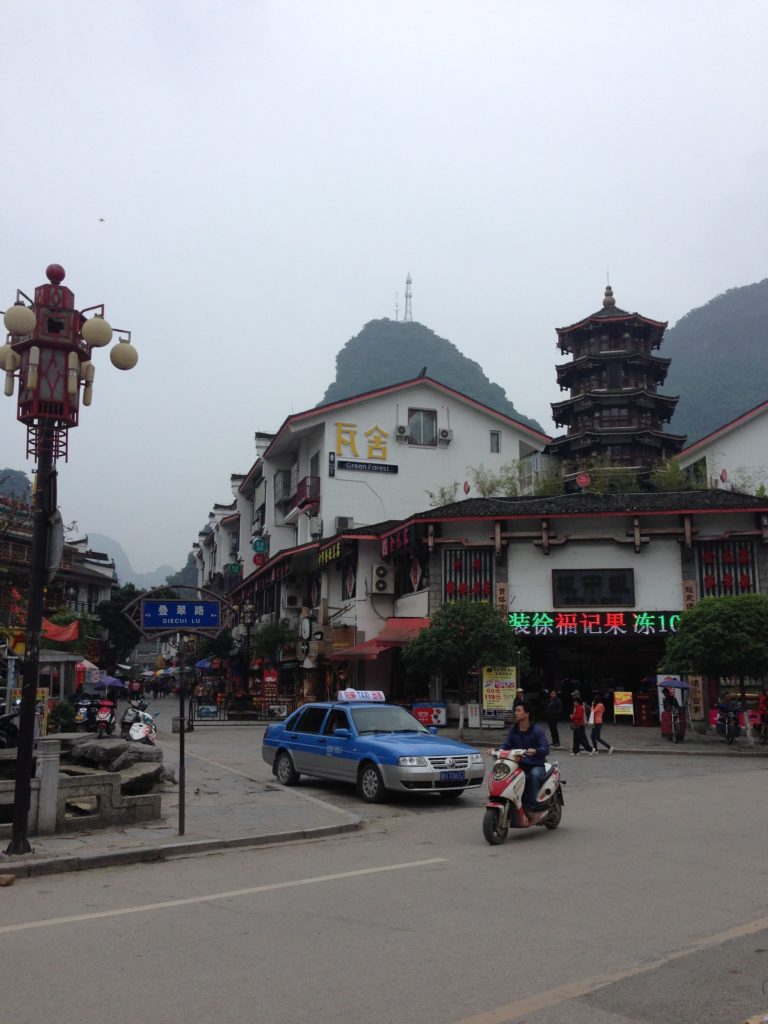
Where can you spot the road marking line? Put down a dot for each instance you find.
(573, 990)
(188, 901)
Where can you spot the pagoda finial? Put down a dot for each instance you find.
(608, 299)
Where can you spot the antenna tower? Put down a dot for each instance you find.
(408, 314)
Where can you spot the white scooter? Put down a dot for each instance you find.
(143, 729)
(504, 809)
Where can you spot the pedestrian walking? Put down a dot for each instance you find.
(596, 718)
(553, 711)
(578, 725)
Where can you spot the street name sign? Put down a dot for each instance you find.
(176, 614)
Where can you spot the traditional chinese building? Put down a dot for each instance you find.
(614, 410)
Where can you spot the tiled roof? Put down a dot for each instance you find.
(597, 504)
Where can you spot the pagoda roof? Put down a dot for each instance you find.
(592, 357)
(611, 434)
(611, 313)
(602, 397)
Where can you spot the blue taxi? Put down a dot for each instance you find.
(376, 746)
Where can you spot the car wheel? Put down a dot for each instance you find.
(494, 834)
(451, 794)
(370, 785)
(284, 770)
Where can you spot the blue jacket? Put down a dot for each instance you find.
(533, 737)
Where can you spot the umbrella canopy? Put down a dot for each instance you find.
(203, 663)
(109, 683)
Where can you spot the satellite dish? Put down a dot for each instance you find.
(55, 545)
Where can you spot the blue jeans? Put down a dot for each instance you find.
(533, 779)
(597, 738)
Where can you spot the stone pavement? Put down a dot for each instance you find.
(226, 807)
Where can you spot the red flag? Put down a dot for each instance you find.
(61, 633)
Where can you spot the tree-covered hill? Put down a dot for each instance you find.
(719, 356)
(390, 351)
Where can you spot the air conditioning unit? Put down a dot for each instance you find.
(383, 577)
(344, 523)
(445, 435)
(401, 433)
(290, 599)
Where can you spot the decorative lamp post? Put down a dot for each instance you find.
(48, 350)
(247, 618)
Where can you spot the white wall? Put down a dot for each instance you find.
(658, 576)
(744, 448)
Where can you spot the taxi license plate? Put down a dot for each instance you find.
(452, 776)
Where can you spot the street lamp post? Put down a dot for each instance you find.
(48, 350)
(247, 620)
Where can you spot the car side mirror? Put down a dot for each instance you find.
(433, 730)
(341, 734)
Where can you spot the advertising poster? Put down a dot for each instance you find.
(499, 686)
(622, 704)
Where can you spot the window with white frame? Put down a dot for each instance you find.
(495, 441)
(422, 426)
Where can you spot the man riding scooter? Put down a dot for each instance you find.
(530, 738)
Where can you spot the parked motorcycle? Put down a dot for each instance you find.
(505, 810)
(728, 722)
(105, 718)
(85, 714)
(9, 731)
(131, 715)
(144, 729)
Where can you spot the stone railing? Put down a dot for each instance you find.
(60, 803)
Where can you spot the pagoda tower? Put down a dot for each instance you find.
(614, 411)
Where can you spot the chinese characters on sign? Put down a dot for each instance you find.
(180, 614)
(329, 554)
(375, 441)
(614, 623)
(574, 588)
(499, 688)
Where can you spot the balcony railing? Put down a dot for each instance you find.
(307, 492)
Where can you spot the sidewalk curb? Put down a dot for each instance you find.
(145, 854)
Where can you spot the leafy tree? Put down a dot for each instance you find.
(443, 495)
(486, 482)
(670, 476)
(269, 637)
(14, 483)
(123, 636)
(608, 476)
(461, 636)
(219, 646)
(722, 636)
(549, 485)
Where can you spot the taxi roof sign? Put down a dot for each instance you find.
(349, 696)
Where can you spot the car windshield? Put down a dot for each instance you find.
(385, 719)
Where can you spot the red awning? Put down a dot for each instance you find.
(396, 633)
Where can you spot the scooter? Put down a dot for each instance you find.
(504, 810)
(85, 714)
(105, 718)
(131, 715)
(144, 729)
(9, 732)
(728, 722)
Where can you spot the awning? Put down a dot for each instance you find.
(396, 633)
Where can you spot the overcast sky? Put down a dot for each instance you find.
(245, 184)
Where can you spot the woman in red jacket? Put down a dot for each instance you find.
(578, 723)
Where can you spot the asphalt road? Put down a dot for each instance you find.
(647, 904)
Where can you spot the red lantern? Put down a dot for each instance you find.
(477, 564)
(745, 582)
(727, 556)
(457, 564)
(743, 556)
(709, 581)
(476, 587)
(727, 580)
(709, 558)
(463, 588)
(450, 588)
(486, 588)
